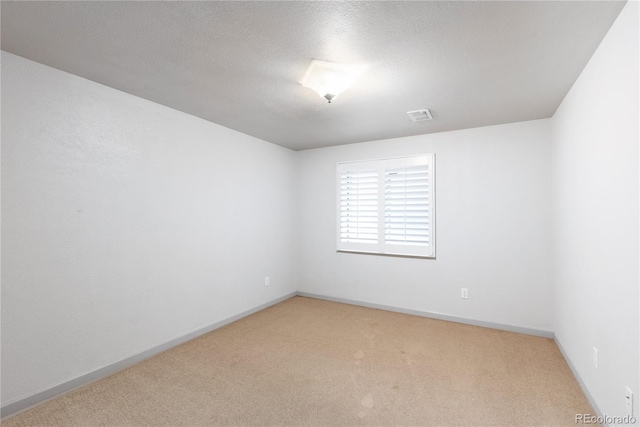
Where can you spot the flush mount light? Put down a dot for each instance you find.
(329, 79)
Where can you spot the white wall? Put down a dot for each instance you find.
(595, 176)
(127, 224)
(493, 228)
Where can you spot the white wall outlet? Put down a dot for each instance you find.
(266, 281)
(595, 357)
(628, 395)
(464, 293)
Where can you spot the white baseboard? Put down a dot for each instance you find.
(583, 386)
(447, 317)
(25, 403)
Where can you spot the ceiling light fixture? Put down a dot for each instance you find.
(329, 79)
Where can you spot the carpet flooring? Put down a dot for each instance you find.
(312, 362)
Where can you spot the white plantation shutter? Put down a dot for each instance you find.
(387, 206)
(359, 206)
(406, 205)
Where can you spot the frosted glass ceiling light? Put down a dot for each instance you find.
(329, 79)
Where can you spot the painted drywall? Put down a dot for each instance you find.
(493, 228)
(595, 180)
(126, 224)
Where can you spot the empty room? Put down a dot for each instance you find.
(359, 213)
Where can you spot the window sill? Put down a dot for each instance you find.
(433, 257)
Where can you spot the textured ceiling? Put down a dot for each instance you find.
(239, 64)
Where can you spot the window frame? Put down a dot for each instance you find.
(381, 247)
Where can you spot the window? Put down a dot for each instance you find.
(387, 206)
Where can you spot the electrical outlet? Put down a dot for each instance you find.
(464, 293)
(595, 357)
(266, 281)
(628, 395)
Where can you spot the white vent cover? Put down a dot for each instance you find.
(420, 115)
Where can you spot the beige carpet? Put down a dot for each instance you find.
(312, 362)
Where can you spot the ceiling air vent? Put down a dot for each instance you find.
(420, 115)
